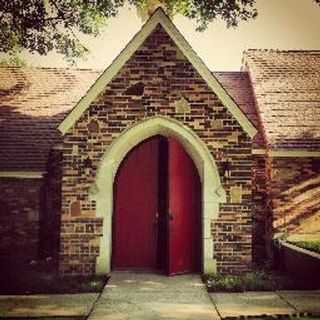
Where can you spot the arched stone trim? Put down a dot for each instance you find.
(212, 190)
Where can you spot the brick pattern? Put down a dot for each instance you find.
(238, 86)
(260, 208)
(19, 218)
(166, 76)
(51, 210)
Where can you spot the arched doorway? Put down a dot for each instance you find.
(102, 190)
(157, 209)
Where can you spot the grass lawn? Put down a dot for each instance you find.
(312, 245)
(254, 281)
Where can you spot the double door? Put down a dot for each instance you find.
(157, 210)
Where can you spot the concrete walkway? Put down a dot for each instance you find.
(133, 296)
(257, 304)
(40, 305)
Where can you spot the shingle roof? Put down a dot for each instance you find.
(33, 102)
(239, 87)
(287, 91)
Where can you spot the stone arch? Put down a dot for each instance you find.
(212, 190)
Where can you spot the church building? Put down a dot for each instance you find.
(158, 163)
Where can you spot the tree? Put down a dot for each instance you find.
(45, 25)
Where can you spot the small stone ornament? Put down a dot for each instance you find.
(182, 106)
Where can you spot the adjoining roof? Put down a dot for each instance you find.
(238, 85)
(159, 17)
(33, 102)
(287, 90)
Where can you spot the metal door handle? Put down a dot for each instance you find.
(156, 219)
(170, 215)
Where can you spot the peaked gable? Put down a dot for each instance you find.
(159, 17)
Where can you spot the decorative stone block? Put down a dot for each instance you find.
(75, 209)
(182, 106)
(93, 126)
(236, 194)
(216, 124)
(75, 150)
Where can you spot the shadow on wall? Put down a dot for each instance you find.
(300, 213)
(30, 208)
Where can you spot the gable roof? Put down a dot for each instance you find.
(159, 17)
(238, 86)
(33, 102)
(287, 91)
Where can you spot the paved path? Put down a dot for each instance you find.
(133, 296)
(250, 304)
(64, 305)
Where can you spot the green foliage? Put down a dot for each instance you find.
(308, 245)
(13, 59)
(251, 281)
(45, 25)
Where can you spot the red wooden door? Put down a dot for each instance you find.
(184, 210)
(136, 204)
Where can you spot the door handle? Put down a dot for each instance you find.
(156, 219)
(170, 216)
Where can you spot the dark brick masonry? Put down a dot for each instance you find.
(166, 76)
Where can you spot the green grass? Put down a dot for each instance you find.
(251, 281)
(308, 245)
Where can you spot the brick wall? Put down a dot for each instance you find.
(19, 218)
(291, 190)
(261, 214)
(51, 212)
(158, 75)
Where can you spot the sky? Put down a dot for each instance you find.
(281, 24)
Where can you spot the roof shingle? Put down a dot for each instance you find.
(287, 90)
(33, 102)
